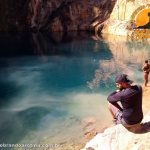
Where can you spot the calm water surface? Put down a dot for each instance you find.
(51, 84)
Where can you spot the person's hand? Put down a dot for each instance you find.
(117, 90)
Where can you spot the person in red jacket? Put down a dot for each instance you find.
(125, 104)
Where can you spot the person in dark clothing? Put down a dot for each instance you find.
(128, 111)
(146, 70)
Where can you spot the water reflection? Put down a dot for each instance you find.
(128, 57)
(70, 44)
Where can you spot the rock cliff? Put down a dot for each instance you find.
(53, 15)
(116, 16)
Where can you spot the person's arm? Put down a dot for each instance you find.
(143, 68)
(114, 97)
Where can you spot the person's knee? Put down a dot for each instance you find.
(109, 105)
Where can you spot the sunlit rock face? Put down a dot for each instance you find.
(124, 17)
(53, 15)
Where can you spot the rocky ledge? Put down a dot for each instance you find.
(119, 138)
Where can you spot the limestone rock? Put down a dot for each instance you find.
(119, 138)
(122, 18)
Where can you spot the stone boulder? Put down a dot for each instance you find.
(119, 138)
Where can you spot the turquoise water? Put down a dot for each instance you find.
(49, 85)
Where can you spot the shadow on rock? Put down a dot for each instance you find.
(139, 128)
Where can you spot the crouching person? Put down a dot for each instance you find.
(125, 104)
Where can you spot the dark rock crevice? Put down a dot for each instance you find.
(13, 15)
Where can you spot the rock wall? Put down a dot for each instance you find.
(53, 15)
(70, 15)
(122, 18)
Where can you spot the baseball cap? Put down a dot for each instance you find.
(123, 78)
